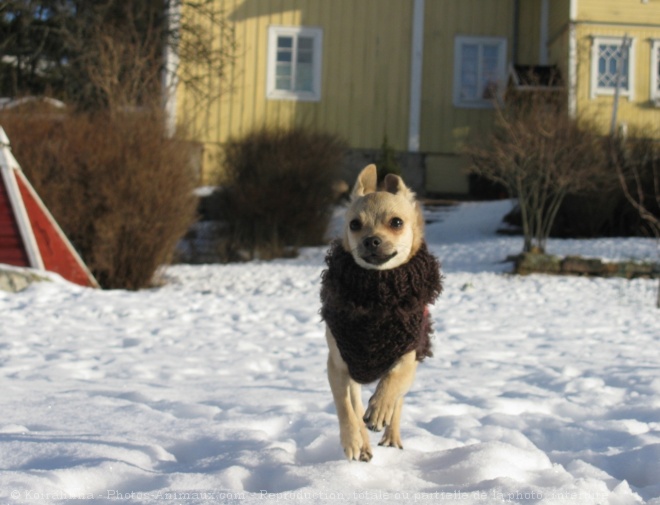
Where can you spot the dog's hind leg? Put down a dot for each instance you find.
(344, 389)
(392, 435)
(392, 387)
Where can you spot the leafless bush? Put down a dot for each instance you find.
(539, 154)
(121, 190)
(636, 160)
(123, 69)
(278, 191)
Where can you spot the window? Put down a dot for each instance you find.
(479, 70)
(655, 71)
(611, 59)
(294, 63)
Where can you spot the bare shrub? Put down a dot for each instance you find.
(278, 192)
(119, 188)
(123, 70)
(636, 160)
(540, 155)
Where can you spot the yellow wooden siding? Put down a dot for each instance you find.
(619, 11)
(636, 112)
(529, 27)
(446, 174)
(617, 18)
(558, 54)
(364, 79)
(558, 17)
(443, 126)
(558, 33)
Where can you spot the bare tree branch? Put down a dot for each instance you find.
(58, 46)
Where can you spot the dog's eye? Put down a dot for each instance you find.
(355, 225)
(396, 223)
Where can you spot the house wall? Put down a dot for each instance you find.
(640, 21)
(446, 175)
(365, 73)
(529, 27)
(558, 35)
(558, 17)
(444, 127)
(618, 11)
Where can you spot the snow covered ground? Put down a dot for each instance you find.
(212, 388)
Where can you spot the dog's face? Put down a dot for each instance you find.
(383, 229)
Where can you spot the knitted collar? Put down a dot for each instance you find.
(377, 316)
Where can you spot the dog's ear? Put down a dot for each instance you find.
(366, 182)
(394, 184)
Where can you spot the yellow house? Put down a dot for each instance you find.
(595, 44)
(424, 73)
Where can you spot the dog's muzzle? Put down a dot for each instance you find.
(372, 251)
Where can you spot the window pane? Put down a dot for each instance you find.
(304, 78)
(283, 70)
(469, 71)
(283, 73)
(305, 44)
(624, 74)
(489, 74)
(490, 57)
(612, 65)
(285, 42)
(296, 55)
(610, 56)
(284, 56)
(283, 83)
(305, 56)
(304, 67)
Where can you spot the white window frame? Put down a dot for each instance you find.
(272, 93)
(609, 91)
(483, 103)
(655, 70)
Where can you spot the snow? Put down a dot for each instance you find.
(212, 388)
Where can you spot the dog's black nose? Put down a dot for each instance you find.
(372, 243)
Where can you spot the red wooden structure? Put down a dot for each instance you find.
(29, 235)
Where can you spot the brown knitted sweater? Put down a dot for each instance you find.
(377, 316)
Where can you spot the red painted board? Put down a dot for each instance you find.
(56, 251)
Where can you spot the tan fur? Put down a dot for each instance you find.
(375, 211)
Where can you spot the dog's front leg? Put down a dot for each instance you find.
(382, 406)
(345, 393)
(392, 435)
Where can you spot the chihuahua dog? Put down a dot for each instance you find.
(375, 295)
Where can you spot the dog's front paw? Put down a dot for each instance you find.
(366, 454)
(379, 414)
(355, 447)
(391, 439)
